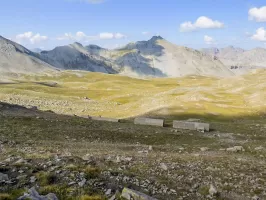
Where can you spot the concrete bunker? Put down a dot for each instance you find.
(149, 121)
(191, 125)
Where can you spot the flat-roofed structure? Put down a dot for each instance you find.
(191, 125)
(149, 121)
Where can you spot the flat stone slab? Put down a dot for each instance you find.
(129, 194)
(149, 121)
(104, 119)
(191, 125)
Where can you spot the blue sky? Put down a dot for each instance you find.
(111, 23)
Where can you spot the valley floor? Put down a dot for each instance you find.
(77, 158)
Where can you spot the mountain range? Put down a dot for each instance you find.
(154, 58)
(239, 59)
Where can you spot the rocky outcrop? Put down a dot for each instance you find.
(129, 194)
(34, 195)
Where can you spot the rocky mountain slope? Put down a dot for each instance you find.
(15, 58)
(75, 56)
(239, 59)
(160, 58)
(175, 61)
(155, 57)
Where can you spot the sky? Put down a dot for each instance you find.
(198, 24)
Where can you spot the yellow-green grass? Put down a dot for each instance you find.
(123, 97)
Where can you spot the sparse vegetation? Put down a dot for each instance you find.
(77, 158)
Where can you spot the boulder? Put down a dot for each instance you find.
(3, 177)
(129, 194)
(235, 149)
(213, 191)
(34, 195)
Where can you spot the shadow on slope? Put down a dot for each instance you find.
(47, 84)
(217, 122)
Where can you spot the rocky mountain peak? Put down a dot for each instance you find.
(93, 46)
(77, 44)
(156, 38)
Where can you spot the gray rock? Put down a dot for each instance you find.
(113, 197)
(33, 179)
(235, 149)
(255, 198)
(259, 148)
(129, 194)
(204, 149)
(82, 183)
(34, 195)
(3, 177)
(108, 192)
(213, 191)
(163, 166)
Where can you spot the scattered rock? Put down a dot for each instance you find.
(255, 198)
(235, 149)
(259, 148)
(204, 149)
(129, 194)
(33, 179)
(34, 195)
(163, 166)
(82, 183)
(3, 177)
(72, 183)
(213, 191)
(108, 192)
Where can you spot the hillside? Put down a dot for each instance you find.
(76, 57)
(85, 93)
(159, 57)
(15, 58)
(239, 60)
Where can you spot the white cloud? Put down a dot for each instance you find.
(38, 38)
(30, 37)
(119, 36)
(106, 36)
(257, 14)
(82, 37)
(201, 23)
(145, 33)
(260, 35)
(209, 40)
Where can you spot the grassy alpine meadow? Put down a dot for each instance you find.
(79, 159)
(86, 93)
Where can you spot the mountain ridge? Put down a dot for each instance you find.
(155, 57)
(14, 58)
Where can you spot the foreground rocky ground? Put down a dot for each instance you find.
(77, 158)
